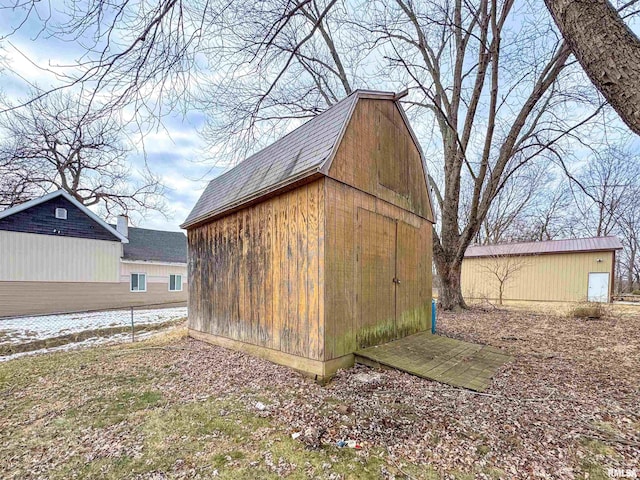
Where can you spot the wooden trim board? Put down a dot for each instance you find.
(321, 371)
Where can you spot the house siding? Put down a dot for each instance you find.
(41, 219)
(550, 277)
(34, 298)
(45, 258)
(156, 273)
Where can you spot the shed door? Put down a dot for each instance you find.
(598, 287)
(410, 295)
(376, 269)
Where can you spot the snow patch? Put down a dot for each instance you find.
(14, 331)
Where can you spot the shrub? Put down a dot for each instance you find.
(588, 310)
(635, 292)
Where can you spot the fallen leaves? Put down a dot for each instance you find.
(570, 398)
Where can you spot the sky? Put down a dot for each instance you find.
(172, 151)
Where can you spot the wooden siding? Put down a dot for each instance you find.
(256, 275)
(377, 155)
(551, 277)
(32, 298)
(46, 258)
(375, 299)
(156, 273)
(364, 236)
(334, 265)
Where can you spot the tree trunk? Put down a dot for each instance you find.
(607, 49)
(450, 289)
(632, 261)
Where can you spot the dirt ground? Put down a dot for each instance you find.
(568, 406)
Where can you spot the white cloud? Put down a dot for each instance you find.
(171, 152)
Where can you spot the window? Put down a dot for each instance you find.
(138, 282)
(61, 213)
(175, 283)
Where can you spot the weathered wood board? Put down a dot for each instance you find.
(446, 360)
(368, 243)
(330, 266)
(378, 156)
(256, 273)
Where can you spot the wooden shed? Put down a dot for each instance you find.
(571, 270)
(318, 245)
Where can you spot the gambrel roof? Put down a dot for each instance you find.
(304, 153)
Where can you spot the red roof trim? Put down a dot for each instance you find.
(573, 245)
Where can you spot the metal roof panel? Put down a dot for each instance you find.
(301, 152)
(592, 244)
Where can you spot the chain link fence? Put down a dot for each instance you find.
(45, 333)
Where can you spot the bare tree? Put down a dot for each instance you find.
(606, 48)
(137, 54)
(514, 207)
(628, 220)
(553, 216)
(249, 63)
(497, 98)
(12, 189)
(54, 143)
(502, 269)
(138, 47)
(602, 186)
(302, 59)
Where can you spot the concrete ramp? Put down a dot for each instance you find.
(454, 362)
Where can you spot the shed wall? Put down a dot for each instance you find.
(257, 275)
(377, 155)
(48, 258)
(550, 277)
(350, 308)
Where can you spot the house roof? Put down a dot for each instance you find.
(155, 246)
(305, 152)
(142, 244)
(61, 193)
(572, 245)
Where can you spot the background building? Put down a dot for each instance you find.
(558, 270)
(58, 256)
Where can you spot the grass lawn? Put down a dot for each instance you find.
(172, 407)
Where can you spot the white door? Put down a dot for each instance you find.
(598, 287)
